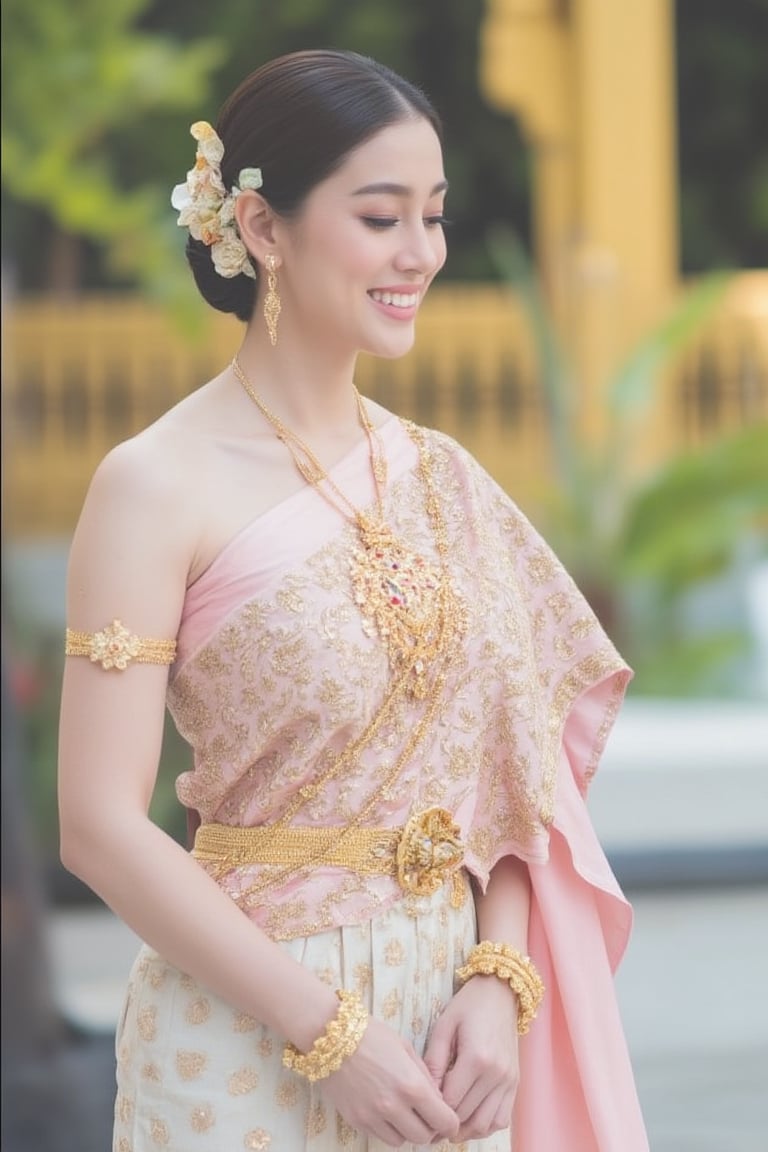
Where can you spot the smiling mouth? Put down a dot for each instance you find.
(395, 299)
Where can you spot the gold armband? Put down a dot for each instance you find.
(116, 647)
(341, 1037)
(490, 959)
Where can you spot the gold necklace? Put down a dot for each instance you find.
(402, 596)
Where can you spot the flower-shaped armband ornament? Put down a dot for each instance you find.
(429, 853)
(116, 647)
(207, 209)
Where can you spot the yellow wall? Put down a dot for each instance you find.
(79, 378)
(592, 85)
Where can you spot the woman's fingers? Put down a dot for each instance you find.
(384, 1089)
(493, 1114)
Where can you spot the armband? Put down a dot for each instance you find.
(116, 647)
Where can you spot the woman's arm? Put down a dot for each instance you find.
(473, 1050)
(502, 910)
(130, 557)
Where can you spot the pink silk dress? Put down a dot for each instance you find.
(279, 673)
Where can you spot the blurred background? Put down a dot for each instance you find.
(598, 339)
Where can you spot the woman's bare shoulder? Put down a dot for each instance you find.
(158, 464)
(145, 491)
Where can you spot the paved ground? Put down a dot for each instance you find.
(692, 991)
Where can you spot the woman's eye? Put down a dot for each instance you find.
(382, 222)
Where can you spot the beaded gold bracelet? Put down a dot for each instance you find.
(491, 959)
(339, 1040)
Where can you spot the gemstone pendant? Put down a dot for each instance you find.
(399, 594)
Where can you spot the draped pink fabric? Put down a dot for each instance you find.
(276, 675)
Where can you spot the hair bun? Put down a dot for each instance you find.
(235, 295)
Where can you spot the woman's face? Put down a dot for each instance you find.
(357, 262)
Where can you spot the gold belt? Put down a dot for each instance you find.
(422, 855)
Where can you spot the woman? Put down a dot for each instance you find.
(394, 694)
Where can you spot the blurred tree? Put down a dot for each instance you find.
(722, 86)
(97, 98)
(75, 77)
(86, 183)
(641, 545)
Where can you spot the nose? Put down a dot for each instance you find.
(423, 249)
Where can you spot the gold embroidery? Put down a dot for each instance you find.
(287, 1093)
(124, 1108)
(394, 954)
(391, 1005)
(116, 647)
(363, 978)
(244, 1022)
(345, 1133)
(257, 1140)
(202, 1118)
(317, 1121)
(147, 1023)
(190, 1065)
(158, 1130)
(243, 1081)
(198, 1011)
(151, 1072)
(308, 736)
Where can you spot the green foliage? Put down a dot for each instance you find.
(98, 99)
(642, 545)
(75, 78)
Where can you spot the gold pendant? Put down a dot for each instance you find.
(400, 596)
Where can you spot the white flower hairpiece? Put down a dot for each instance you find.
(208, 209)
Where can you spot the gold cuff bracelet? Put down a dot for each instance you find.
(490, 959)
(339, 1040)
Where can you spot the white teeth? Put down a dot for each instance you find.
(397, 299)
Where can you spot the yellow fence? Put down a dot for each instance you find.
(79, 378)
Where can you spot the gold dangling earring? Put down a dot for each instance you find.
(272, 304)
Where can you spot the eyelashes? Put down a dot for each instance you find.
(380, 223)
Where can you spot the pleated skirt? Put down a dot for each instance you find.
(196, 1075)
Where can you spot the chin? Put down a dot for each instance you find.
(391, 348)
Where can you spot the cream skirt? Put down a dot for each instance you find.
(194, 1075)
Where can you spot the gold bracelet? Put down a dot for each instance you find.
(490, 959)
(339, 1040)
(115, 647)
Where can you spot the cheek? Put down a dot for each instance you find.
(440, 249)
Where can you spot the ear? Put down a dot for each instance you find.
(255, 224)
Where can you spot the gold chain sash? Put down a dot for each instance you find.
(422, 855)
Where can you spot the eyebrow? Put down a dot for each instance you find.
(396, 189)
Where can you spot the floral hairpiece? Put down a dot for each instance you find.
(208, 209)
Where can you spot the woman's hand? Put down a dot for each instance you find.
(472, 1054)
(385, 1090)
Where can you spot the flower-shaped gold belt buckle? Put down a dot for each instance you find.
(430, 850)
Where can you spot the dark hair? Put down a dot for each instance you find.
(297, 118)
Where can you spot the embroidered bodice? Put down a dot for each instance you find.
(281, 671)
